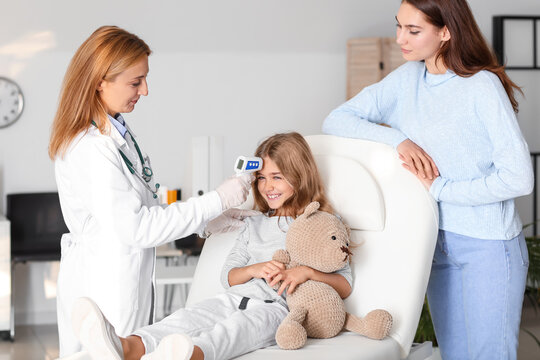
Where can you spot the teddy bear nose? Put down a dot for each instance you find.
(347, 252)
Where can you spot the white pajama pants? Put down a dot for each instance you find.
(219, 327)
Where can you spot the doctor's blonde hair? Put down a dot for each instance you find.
(293, 157)
(104, 55)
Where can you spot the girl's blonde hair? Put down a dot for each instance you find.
(103, 56)
(293, 157)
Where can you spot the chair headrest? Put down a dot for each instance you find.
(353, 192)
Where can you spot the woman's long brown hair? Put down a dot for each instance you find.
(103, 56)
(293, 157)
(467, 51)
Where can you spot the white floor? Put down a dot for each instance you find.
(40, 342)
(32, 342)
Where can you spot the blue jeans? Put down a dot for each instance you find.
(475, 294)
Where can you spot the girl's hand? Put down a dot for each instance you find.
(264, 270)
(417, 161)
(291, 278)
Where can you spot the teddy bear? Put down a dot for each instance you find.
(320, 240)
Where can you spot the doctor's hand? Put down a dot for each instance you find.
(234, 190)
(417, 161)
(230, 220)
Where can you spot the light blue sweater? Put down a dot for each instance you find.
(467, 126)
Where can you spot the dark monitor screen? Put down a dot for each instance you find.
(36, 225)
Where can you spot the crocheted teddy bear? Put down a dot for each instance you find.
(321, 241)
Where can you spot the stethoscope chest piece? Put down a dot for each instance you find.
(147, 173)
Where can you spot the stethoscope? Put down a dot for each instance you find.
(146, 174)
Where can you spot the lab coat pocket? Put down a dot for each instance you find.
(128, 273)
(120, 280)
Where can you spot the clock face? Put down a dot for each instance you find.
(11, 102)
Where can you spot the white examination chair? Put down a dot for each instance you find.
(394, 221)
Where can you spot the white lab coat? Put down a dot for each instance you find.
(114, 225)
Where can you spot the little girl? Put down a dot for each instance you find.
(246, 316)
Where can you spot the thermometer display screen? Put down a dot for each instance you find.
(240, 164)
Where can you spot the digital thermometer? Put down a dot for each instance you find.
(246, 164)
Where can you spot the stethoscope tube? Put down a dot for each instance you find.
(146, 175)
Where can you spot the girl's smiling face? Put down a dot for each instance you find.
(273, 186)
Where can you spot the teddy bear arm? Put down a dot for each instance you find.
(282, 256)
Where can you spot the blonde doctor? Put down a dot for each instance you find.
(107, 189)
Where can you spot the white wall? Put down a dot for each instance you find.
(244, 69)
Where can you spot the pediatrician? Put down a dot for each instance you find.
(452, 115)
(108, 191)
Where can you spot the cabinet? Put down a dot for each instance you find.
(6, 320)
(369, 60)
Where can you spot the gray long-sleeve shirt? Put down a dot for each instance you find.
(261, 237)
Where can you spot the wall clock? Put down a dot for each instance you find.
(11, 102)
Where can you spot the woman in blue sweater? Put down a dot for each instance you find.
(451, 116)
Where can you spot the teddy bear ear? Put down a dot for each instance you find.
(311, 208)
(348, 229)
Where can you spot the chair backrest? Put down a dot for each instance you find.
(37, 225)
(394, 222)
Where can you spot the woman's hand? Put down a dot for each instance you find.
(291, 278)
(425, 181)
(417, 161)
